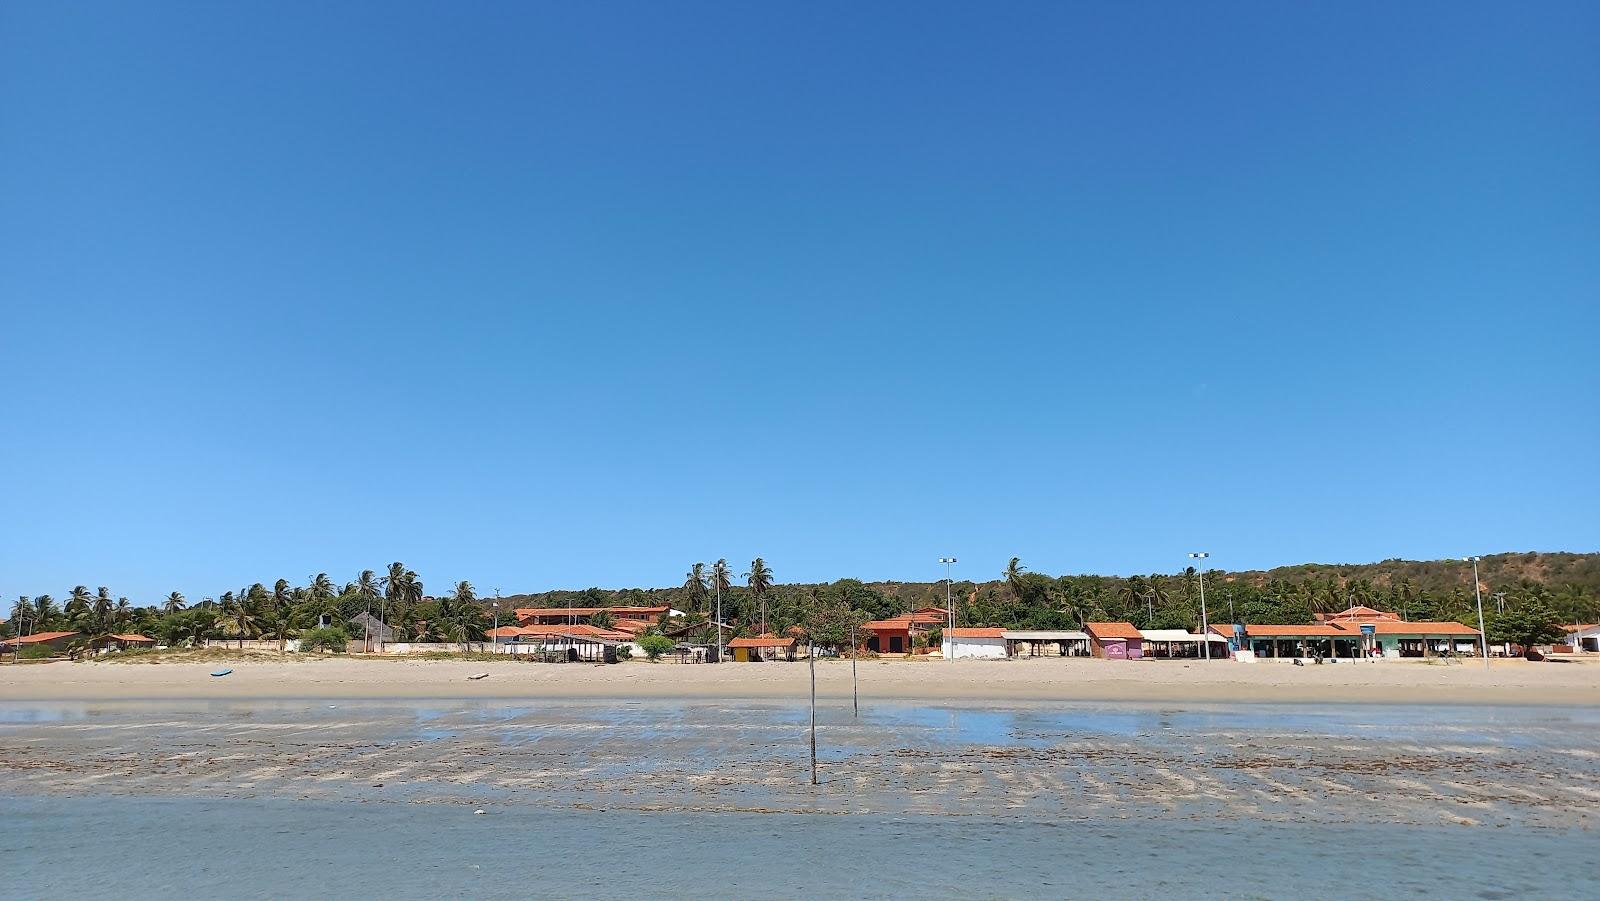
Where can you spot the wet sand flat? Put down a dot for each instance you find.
(1045, 761)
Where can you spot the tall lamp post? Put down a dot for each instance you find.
(495, 635)
(1205, 621)
(716, 580)
(1477, 592)
(949, 606)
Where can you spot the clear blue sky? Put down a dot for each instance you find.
(578, 294)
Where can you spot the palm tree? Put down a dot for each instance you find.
(101, 610)
(399, 586)
(78, 607)
(695, 585)
(1013, 576)
(237, 620)
(45, 613)
(280, 594)
(366, 585)
(759, 578)
(464, 593)
(21, 614)
(122, 615)
(173, 604)
(280, 624)
(321, 587)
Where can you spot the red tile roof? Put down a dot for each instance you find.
(37, 637)
(133, 637)
(555, 630)
(1313, 630)
(1405, 628)
(1112, 630)
(976, 633)
(580, 612)
(765, 641)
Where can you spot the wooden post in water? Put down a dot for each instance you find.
(855, 694)
(812, 658)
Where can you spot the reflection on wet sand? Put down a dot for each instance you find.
(1315, 763)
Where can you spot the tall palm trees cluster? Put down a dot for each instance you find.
(703, 588)
(277, 613)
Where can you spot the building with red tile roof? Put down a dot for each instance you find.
(762, 647)
(1115, 641)
(897, 634)
(980, 642)
(55, 640)
(529, 616)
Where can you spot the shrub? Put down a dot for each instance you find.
(36, 652)
(655, 645)
(624, 652)
(332, 639)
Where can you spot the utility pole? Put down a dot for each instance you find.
(949, 605)
(1477, 592)
(495, 643)
(1205, 621)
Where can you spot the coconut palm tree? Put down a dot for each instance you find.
(78, 605)
(320, 588)
(45, 613)
(366, 585)
(237, 620)
(21, 614)
(100, 610)
(1013, 576)
(280, 594)
(759, 579)
(122, 614)
(173, 604)
(695, 585)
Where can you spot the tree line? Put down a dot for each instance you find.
(753, 602)
(256, 612)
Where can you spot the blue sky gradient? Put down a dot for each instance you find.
(559, 295)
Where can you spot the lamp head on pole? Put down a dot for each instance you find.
(947, 559)
(1470, 559)
(1201, 555)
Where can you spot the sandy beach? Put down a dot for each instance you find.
(1049, 679)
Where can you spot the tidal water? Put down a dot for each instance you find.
(161, 848)
(711, 800)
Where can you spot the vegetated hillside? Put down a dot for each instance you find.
(1442, 589)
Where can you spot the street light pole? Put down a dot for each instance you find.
(949, 605)
(1205, 621)
(1477, 592)
(495, 635)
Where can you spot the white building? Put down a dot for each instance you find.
(989, 643)
(1584, 639)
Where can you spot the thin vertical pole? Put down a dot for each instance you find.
(1483, 637)
(1205, 622)
(855, 693)
(813, 660)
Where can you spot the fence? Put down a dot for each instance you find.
(252, 644)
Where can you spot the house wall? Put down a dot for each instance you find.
(984, 648)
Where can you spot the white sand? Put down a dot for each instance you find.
(1504, 682)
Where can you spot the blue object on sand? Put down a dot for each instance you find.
(222, 672)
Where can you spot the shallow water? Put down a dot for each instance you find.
(283, 849)
(311, 798)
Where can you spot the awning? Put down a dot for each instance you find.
(1176, 636)
(1044, 635)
